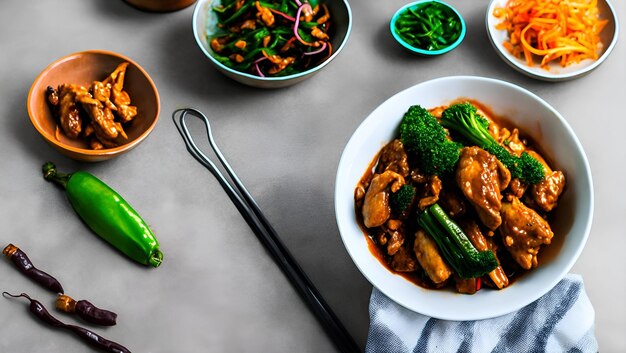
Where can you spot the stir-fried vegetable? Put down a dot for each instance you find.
(430, 26)
(402, 199)
(464, 119)
(272, 37)
(422, 134)
(568, 31)
(454, 245)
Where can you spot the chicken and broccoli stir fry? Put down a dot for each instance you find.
(457, 199)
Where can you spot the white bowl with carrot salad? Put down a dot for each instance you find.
(552, 40)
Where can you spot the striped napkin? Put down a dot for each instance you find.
(560, 321)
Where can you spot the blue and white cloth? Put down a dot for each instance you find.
(560, 321)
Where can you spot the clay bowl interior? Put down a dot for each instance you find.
(82, 68)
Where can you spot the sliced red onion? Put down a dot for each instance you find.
(321, 49)
(287, 17)
(297, 23)
(256, 65)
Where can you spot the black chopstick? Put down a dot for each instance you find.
(264, 231)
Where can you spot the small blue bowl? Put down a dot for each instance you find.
(421, 51)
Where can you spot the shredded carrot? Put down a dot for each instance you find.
(565, 31)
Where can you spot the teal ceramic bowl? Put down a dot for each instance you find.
(450, 39)
(205, 26)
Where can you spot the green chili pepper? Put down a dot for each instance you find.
(108, 215)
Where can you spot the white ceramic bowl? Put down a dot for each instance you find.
(556, 72)
(205, 22)
(572, 219)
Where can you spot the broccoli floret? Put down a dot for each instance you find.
(455, 247)
(464, 119)
(402, 199)
(422, 134)
(532, 169)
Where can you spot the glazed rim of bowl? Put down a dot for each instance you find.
(402, 42)
(557, 72)
(576, 209)
(198, 11)
(106, 151)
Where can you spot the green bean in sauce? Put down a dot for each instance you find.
(272, 37)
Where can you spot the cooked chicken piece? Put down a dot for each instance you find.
(120, 98)
(432, 189)
(396, 239)
(466, 285)
(481, 177)
(279, 62)
(95, 144)
(104, 140)
(481, 243)
(517, 187)
(102, 92)
(393, 157)
(404, 261)
(264, 14)
(429, 258)
(69, 114)
(511, 141)
(359, 194)
(308, 12)
(523, 232)
(102, 117)
(216, 45)
(376, 210)
(395, 233)
(126, 112)
(319, 34)
(247, 24)
(53, 97)
(545, 194)
(325, 17)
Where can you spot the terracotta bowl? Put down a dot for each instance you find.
(83, 68)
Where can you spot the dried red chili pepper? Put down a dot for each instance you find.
(23, 263)
(86, 311)
(86, 335)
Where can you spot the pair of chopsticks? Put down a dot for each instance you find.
(264, 231)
